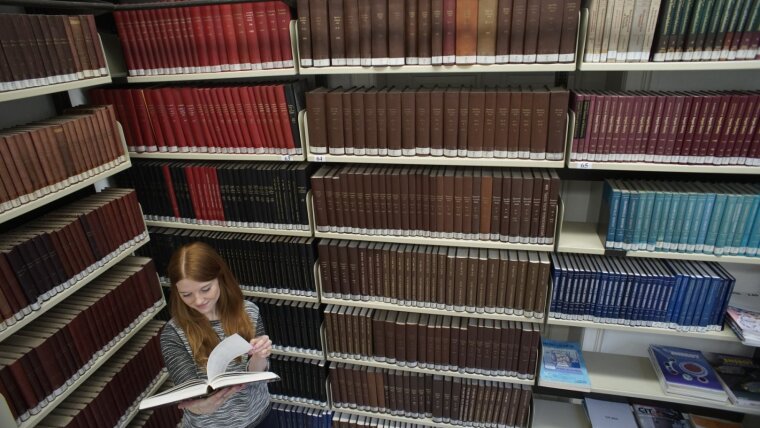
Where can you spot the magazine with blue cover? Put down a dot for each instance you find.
(562, 366)
(686, 372)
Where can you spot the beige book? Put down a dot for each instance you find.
(638, 31)
(625, 30)
(646, 46)
(606, 34)
(617, 18)
(591, 29)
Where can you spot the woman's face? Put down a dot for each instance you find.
(201, 296)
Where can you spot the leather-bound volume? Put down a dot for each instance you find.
(410, 32)
(317, 113)
(526, 125)
(450, 122)
(557, 121)
(515, 121)
(396, 33)
(466, 32)
(482, 284)
(352, 32)
(460, 278)
(550, 30)
(496, 205)
(423, 124)
(503, 31)
(348, 128)
(489, 123)
(449, 31)
(517, 37)
(382, 122)
(551, 216)
(358, 122)
(380, 28)
(486, 198)
(477, 202)
(369, 125)
(334, 121)
(304, 33)
(464, 120)
(501, 130)
(424, 32)
(336, 31)
(365, 32)
(471, 292)
(476, 117)
(436, 31)
(540, 119)
(535, 208)
(408, 124)
(394, 122)
(487, 31)
(569, 35)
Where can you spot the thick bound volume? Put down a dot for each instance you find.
(40, 50)
(293, 415)
(680, 295)
(278, 264)
(562, 366)
(441, 32)
(695, 128)
(303, 379)
(449, 400)
(221, 356)
(260, 119)
(293, 326)
(206, 39)
(41, 158)
(489, 120)
(686, 372)
(694, 217)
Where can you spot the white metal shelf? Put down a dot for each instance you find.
(725, 335)
(52, 89)
(281, 296)
(473, 243)
(387, 416)
(219, 156)
(369, 362)
(231, 229)
(432, 311)
(297, 401)
(45, 306)
(220, 75)
(635, 377)
(417, 69)
(147, 316)
(310, 354)
(53, 196)
(660, 167)
(584, 239)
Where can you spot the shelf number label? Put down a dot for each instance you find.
(287, 157)
(584, 165)
(320, 158)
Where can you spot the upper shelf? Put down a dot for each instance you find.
(725, 335)
(246, 74)
(650, 65)
(417, 69)
(663, 167)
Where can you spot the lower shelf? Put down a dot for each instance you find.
(297, 401)
(428, 422)
(634, 377)
(726, 335)
(135, 408)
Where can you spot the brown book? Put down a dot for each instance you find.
(436, 32)
(379, 19)
(449, 31)
(422, 340)
(569, 36)
(515, 121)
(549, 30)
(316, 110)
(334, 120)
(532, 21)
(450, 121)
(476, 117)
(466, 339)
(348, 129)
(531, 284)
(483, 285)
(352, 32)
(394, 120)
(521, 289)
(505, 222)
(409, 334)
(486, 202)
(503, 30)
(337, 36)
(501, 130)
(551, 215)
(445, 342)
(382, 122)
(496, 205)
(460, 279)
(304, 33)
(410, 32)
(438, 403)
(408, 122)
(489, 124)
(467, 203)
(466, 32)
(369, 121)
(526, 124)
(365, 32)
(517, 37)
(471, 292)
(535, 209)
(555, 144)
(516, 202)
(474, 232)
(487, 31)
(464, 120)
(540, 118)
(424, 31)
(423, 122)
(396, 36)
(358, 121)
(443, 279)
(450, 203)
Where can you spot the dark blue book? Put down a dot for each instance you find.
(686, 372)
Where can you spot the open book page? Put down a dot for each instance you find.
(223, 354)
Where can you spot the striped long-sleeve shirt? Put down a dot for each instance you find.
(245, 408)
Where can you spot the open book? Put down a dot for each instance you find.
(226, 351)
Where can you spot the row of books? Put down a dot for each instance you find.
(461, 279)
(291, 325)
(217, 119)
(347, 420)
(517, 206)
(270, 195)
(444, 399)
(205, 39)
(48, 255)
(290, 415)
(116, 387)
(524, 123)
(743, 316)
(646, 416)
(299, 377)
(621, 31)
(46, 156)
(695, 217)
(41, 50)
(398, 32)
(681, 295)
(712, 128)
(488, 347)
(50, 353)
(259, 262)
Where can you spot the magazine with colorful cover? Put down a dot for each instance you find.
(659, 417)
(686, 372)
(741, 376)
(562, 366)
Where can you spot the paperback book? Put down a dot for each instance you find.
(221, 356)
(659, 417)
(609, 414)
(741, 376)
(743, 316)
(562, 366)
(686, 372)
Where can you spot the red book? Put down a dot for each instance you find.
(283, 30)
(262, 141)
(264, 120)
(219, 33)
(192, 117)
(241, 36)
(188, 38)
(168, 95)
(231, 119)
(211, 40)
(282, 110)
(202, 114)
(124, 28)
(137, 144)
(236, 110)
(263, 35)
(228, 34)
(278, 125)
(168, 36)
(248, 112)
(274, 35)
(252, 35)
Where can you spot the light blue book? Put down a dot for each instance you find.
(612, 199)
(662, 221)
(716, 218)
(696, 224)
(633, 207)
(706, 216)
(654, 222)
(642, 236)
(622, 217)
(748, 227)
(676, 211)
(747, 201)
(686, 224)
(729, 217)
(562, 366)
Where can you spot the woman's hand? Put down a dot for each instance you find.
(212, 403)
(261, 349)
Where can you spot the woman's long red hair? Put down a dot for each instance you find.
(199, 262)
